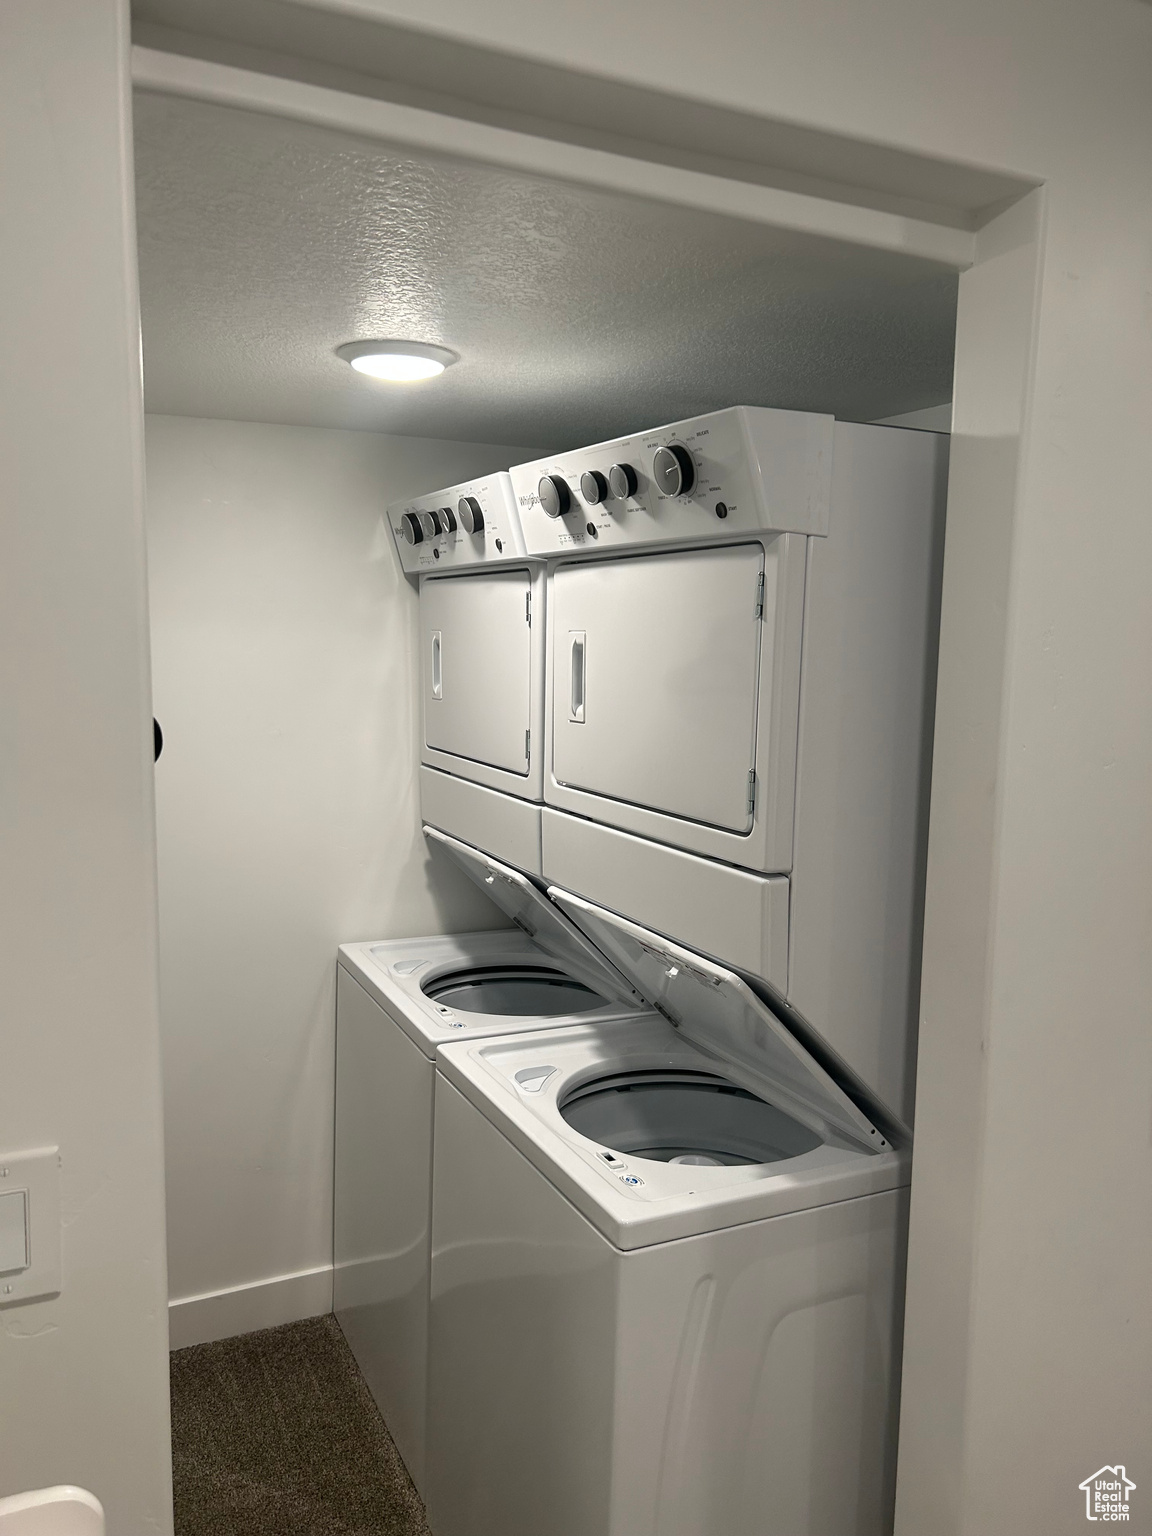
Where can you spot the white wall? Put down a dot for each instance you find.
(83, 1377)
(283, 645)
(1029, 1347)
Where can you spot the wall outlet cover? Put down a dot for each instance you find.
(36, 1175)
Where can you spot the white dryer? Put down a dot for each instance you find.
(481, 662)
(396, 1003)
(666, 1274)
(742, 615)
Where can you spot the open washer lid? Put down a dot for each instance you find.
(543, 922)
(720, 1013)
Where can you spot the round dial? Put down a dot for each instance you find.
(447, 520)
(471, 515)
(430, 523)
(555, 497)
(622, 481)
(593, 487)
(410, 529)
(673, 470)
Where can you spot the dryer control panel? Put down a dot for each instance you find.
(474, 523)
(731, 472)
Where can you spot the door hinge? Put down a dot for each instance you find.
(751, 791)
(527, 746)
(528, 609)
(759, 613)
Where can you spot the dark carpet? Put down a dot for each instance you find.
(276, 1434)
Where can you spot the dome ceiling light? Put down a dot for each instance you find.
(397, 362)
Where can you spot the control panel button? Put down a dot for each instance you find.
(410, 529)
(673, 470)
(622, 481)
(447, 519)
(593, 487)
(471, 514)
(555, 497)
(429, 523)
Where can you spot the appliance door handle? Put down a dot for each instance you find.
(437, 667)
(576, 700)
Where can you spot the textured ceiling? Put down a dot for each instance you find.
(577, 314)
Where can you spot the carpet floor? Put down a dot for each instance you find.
(276, 1434)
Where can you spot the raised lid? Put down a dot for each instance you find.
(544, 923)
(719, 1012)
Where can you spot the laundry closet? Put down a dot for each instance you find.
(589, 683)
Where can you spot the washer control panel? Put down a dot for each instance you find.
(733, 471)
(475, 523)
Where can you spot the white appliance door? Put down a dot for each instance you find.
(718, 1011)
(655, 673)
(476, 644)
(535, 915)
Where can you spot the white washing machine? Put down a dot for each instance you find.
(482, 635)
(742, 612)
(396, 1003)
(666, 1274)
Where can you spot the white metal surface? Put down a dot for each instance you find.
(718, 1011)
(843, 720)
(728, 913)
(867, 710)
(691, 676)
(482, 676)
(738, 1380)
(661, 657)
(476, 655)
(382, 1209)
(388, 1030)
(431, 531)
(540, 919)
(506, 825)
(667, 1201)
(754, 470)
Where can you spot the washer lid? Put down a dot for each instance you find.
(719, 1012)
(544, 923)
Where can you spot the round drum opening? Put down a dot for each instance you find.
(696, 1118)
(523, 991)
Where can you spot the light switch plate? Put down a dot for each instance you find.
(35, 1176)
(13, 1230)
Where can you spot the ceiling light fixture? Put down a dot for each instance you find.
(399, 362)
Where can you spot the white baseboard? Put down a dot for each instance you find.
(245, 1308)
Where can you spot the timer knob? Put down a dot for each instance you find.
(555, 497)
(622, 481)
(430, 523)
(471, 515)
(410, 528)
(674, 470)
(447, 520)
(593, 487)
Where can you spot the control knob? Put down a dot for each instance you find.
(447, 520)
(622, 481)
(555, 497)
(430, 523)
(674, 470)
(593, 487)
(410, 529)
(471, 515)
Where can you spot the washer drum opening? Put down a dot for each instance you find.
(684, 1117)
(520, 991)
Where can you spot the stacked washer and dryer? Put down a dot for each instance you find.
(397, 1002)
(667, 1245)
